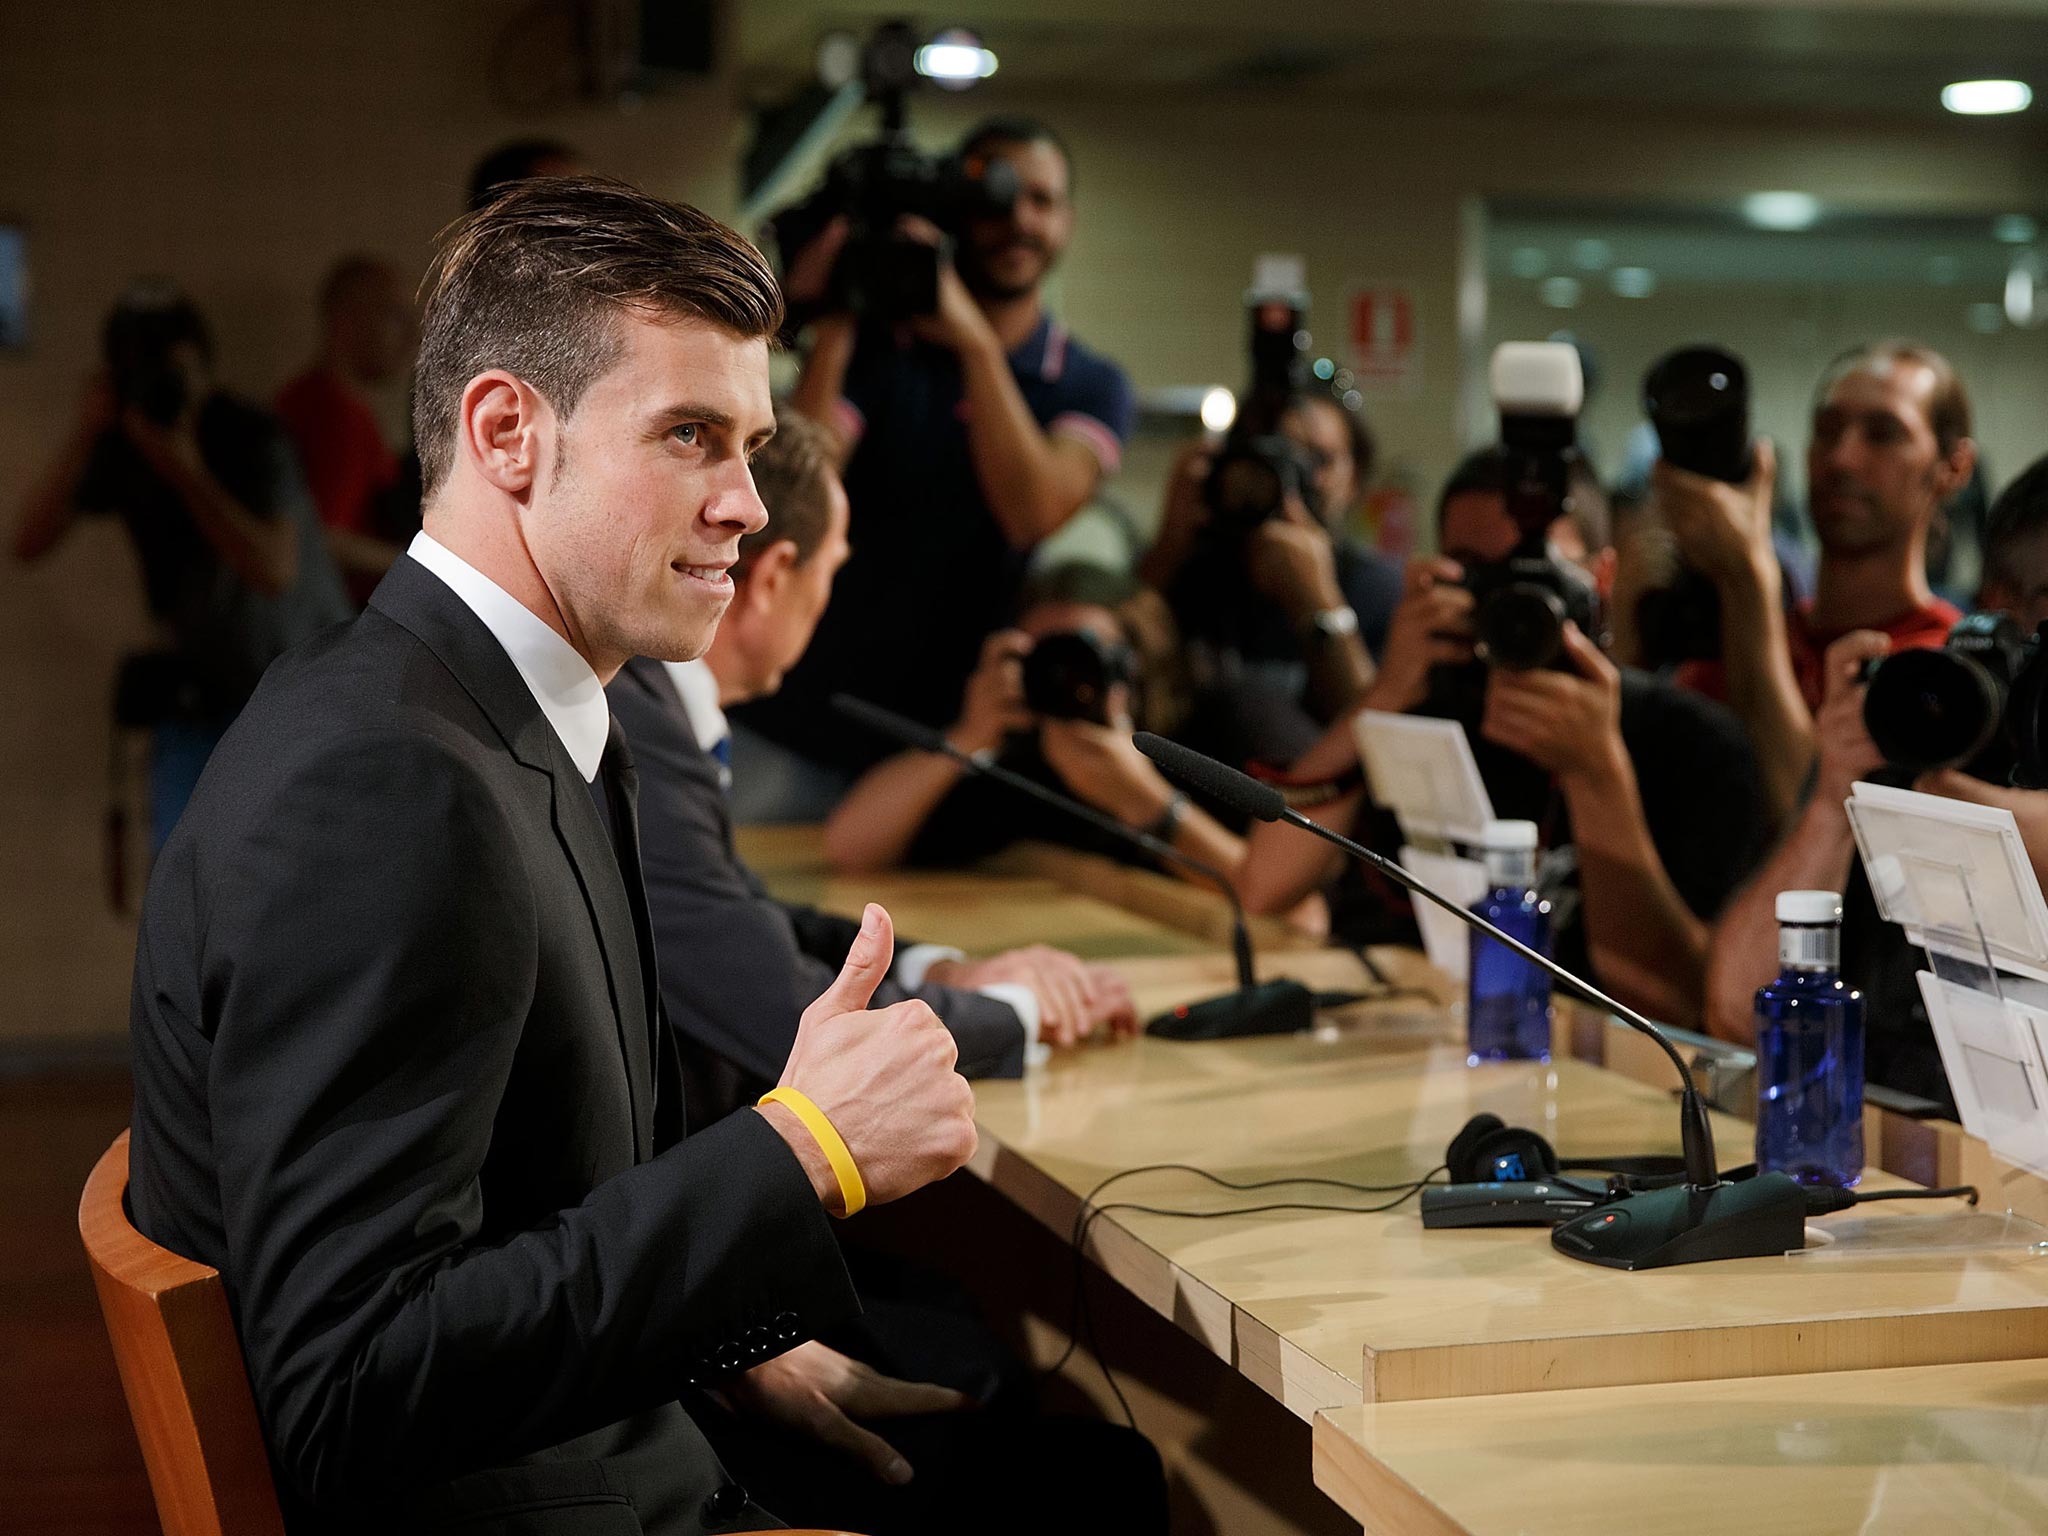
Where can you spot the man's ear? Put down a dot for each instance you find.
(1953, 472)
(766, 582)
(502, 430)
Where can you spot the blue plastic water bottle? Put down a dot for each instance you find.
(1507, 1009)
(1809, 1050)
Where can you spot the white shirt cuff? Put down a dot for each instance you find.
(912, 963)
(1024, 1003)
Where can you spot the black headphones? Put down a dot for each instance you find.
(1488, 1150)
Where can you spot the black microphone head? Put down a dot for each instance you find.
(1219, 781)
(887, 722)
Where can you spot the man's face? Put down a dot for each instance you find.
(1318, 426)
(1875, 473)
(640, 500)
(808, 588)
(1476, 530)
(1006, 258)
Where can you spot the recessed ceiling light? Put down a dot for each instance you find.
(1559, 292)
(2013, 229)
(1987, 98)
(1781, 210)
(1633, 282)
(1591, 255)
(956, 58)
(1529, 261)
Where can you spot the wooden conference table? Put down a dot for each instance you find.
(1377, 1323)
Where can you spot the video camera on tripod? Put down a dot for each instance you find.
(882, 272)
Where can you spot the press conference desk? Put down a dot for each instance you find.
(1343, 1312)
(1944, 1448)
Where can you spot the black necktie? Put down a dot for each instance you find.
(616, 789)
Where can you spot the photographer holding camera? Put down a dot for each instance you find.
(1891, 443)
(1820, 851)
(1283, 610)
(1653, 789)
(969, 434)
(1057, 696)
(233, 562)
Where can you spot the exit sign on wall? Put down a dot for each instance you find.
(1386, 346)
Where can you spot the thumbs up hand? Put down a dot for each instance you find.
(884, 1078)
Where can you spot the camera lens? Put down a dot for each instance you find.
(1246, 489)
(1520, 627)
(1931, 709)
(1698, 400)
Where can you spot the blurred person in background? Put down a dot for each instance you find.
(518, 161)
(968, 436)
(1647, 795)
(1890, 446)
(920, 808)
(234, 567)
(367, 336)
(1820, 851)
(1283, 623)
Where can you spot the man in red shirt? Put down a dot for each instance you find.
(367, 336)
(1891, 443)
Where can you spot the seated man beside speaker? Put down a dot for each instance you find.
(703, 899)
(1652, 788)
(1879, 720)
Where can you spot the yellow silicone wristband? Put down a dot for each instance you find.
(852, 1192)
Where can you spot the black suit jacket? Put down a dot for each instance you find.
(400, 1076)
(773, 959)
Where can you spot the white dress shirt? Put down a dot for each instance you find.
(557, 676)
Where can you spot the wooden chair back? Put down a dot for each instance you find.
(181, 1368)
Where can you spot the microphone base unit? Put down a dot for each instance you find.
(1517, 1203)
(1760, 1217)
(1277, 1007)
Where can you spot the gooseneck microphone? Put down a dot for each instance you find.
(1277, 1007)
(1703, 1218)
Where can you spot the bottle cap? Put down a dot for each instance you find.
(1510, 836)
(1809, 907)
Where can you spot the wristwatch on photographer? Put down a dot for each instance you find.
(1169, 820)
(1331, 623)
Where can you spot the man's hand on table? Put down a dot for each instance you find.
(1075, 999)
(816, 1391)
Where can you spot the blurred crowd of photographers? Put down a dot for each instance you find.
(1649, 673)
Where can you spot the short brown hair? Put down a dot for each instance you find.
(793, 476)
(535, 280)
(1948, 406)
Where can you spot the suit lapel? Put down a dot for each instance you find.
(421, 602)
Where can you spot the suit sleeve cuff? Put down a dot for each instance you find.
(1023, 1002)
(916, 959)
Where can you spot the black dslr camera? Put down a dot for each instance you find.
(1069, 675)
(1698, 400)
(881, 273)
(1975, 704)
(1521, 603)
(145, 328)
(1259, 467)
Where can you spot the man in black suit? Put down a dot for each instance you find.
(400, 1068)
(701, 895)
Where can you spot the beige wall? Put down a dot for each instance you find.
(240, 146)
